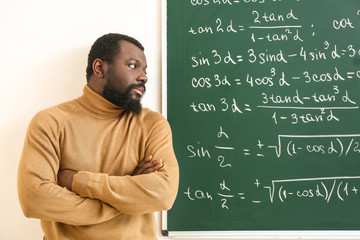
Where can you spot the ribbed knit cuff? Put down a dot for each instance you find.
(84, 183)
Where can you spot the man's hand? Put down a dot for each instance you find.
(148, 166)
(65, 178)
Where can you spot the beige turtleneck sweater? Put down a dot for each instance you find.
(105, 144)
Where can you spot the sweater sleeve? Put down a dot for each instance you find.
(142, 193)
(39, 195)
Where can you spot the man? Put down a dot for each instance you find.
(98, 167)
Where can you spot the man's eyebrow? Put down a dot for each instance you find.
(135, 59)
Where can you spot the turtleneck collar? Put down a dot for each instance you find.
(97, 105)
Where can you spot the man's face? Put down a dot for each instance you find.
(126, 78)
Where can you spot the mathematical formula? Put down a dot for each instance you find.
(325, 189)
(328, 52)
(340, 145)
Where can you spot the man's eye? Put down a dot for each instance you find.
(132, 66)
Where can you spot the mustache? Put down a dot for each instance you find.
(139, 85)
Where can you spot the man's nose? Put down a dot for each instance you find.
(142, 77)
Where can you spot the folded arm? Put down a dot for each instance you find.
(66, 176)
(142, 193)
(40, 195)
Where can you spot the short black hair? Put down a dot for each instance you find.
(106, 48)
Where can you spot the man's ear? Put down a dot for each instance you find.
(99, 68)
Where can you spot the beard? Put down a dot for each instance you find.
(124, 100)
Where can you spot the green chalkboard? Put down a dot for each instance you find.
(263, 100)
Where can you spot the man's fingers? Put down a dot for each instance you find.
(148, 166)
(152, 165)
(146, 160)
(65, 178)
(155, 165)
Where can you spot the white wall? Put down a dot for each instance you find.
(43, 54)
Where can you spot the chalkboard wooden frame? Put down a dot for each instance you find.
(316, 234)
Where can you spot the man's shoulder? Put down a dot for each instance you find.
(154, 124)
(149, 116)
(55, 114)
(151, 120)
